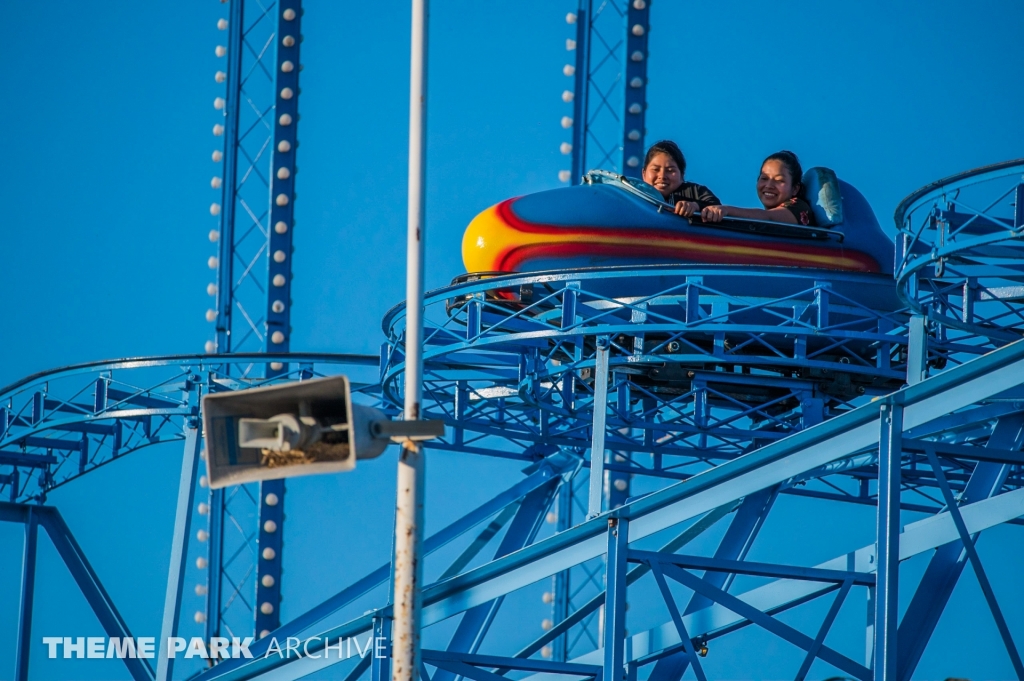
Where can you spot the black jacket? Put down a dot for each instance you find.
(691, 191)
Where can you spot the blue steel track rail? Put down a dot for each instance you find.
(959, 247)
(959, 251)
(60, 424)
(57, 426)
(808, 453)
(517, 355)
(698, 367)
(958, 432)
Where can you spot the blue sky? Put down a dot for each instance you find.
(105, 175)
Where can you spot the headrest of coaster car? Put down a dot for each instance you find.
(821, 187)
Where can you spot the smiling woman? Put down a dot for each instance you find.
(664, 169)
(780, 190)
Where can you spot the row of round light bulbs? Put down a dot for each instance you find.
(279, 256)
(549, 597)
(202, 535)
(567, 96)
(283, 173)
(268, 553)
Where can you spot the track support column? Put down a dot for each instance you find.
(380, 667)
(917, 349)
(562, 582)
(615, 600)
(179, 547)
(28, 581)
(597, 452)
(887, 548)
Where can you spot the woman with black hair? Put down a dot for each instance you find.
(664, 169)
(781, 193)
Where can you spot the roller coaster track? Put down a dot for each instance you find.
(677, 374)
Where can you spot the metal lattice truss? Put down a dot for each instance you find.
(260, 118)
(697, 369)
(688, 384)
(245, 227)
(747, 405)
(960, 261)
(254, 281)
(59, 425)
(644, 543)
(610, 86)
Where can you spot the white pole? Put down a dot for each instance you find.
(405, 655)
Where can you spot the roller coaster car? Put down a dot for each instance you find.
(615, 220)
(611, 221)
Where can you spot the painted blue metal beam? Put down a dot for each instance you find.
(214, 584)
(688, 653)
(232, 111)
(28, 580)
(823, 630)
(303, 623)
(968, 542)
(887, 532)
(614, 640)
(610, 86)
(713, 566)
(90, 585)
(287, 66)
(638, 571)
(779, 596)
(734, 546)
(832, 440)
(853, 432)
(581, 90)
(918, 538)
(738, 539)
(27, 460)
(946, 565)
(561, 611)
(179, 547)
(269, 559)
(516, 664)
(988, 453)
(278, 303)
(254, 307)
(600, 415)
(527, 521)
(14, 513)
(767, 622)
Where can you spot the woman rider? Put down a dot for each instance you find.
(780, 190)
(664, 167)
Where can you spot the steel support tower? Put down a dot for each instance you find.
(609, 106)
(609, 92)
(253, 289)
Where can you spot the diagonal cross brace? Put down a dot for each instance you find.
(81, 570)
(780, 595)
(979, 570)
(946, 565)
(768, 622)
(833, 440)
